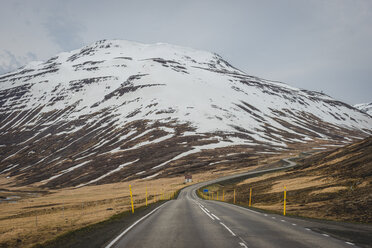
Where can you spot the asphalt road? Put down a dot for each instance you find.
(192, 222)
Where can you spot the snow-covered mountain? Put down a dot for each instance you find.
(119, 110)
(365, 107)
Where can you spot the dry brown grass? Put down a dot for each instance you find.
(297, 183)
(259, 178)
(329, 190)
(36, 218)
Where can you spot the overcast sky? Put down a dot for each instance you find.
(317, 45)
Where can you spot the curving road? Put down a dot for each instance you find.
(192, 222)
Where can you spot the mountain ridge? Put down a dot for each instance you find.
(365, 107)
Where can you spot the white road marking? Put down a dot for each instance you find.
(206, 210)
(265, 214)
(307, 229)
(243, 245)
(206, 213)
(135, 223)
(293, 224)
(228, 229)
(326, 235)
(215, 216)
(273, 218)
(245, 209)
(282, 220)
(349, 243)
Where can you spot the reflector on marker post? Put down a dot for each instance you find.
(250, 197)
(285, 198)
(131, 197)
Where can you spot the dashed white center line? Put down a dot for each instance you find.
(273, 218)
(243, 245)
(228, 229)
(282, 220)
(349, 243)
(325, 235)
(307, 229)
(215, 216)
(207, 213)
(265, 214)
(206, 210)
(293, 224)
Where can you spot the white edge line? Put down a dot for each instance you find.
(325, 235)
(228, 229)
(127, 230)
(245, 208)
(215, 216)
(243, 245)
(349, 243)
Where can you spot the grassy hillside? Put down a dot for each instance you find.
(333, 185)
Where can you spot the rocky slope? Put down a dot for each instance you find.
(119, 110)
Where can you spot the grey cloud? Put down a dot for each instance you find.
(318, 45)
(12, 62)
(65, 32)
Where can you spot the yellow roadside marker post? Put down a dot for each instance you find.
(217, 195)
(285, 199)
(250, 197)
(131, 198)
(223, 195)
(234, 196)
(146, 196)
